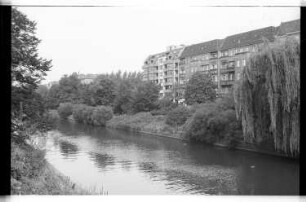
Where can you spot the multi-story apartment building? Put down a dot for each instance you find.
(236, 50)
(199, 57)
(162, 68)
(224, 59)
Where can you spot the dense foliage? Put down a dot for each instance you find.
(92, 115)
(102, 91)
(164, 106)
(124, 98)
(200, 89)
(27, 69)
(268, 96)
(215, 122)
(65, 110)
(178, 116)
(145, 97)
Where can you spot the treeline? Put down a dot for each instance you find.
(206, 118)
(123, 92)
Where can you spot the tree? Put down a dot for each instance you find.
(124, 98)
(54, 97)
(103, 91)
(42, 90)
(200, 89)
(69, 87)
(145, 97)
(268, 96)
(27, 68)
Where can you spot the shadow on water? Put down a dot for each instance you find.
(102, 160)
(68, 150)
(185, 164)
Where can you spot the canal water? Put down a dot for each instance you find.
(120, 162)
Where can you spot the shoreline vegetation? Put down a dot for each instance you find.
(126, 123)
(145, 123)
(31, 173)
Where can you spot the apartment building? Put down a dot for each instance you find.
(202, 57)
(162, 68)
(236, 50)
(224, 58)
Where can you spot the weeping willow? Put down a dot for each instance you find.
(267, 97)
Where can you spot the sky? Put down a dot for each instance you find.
(107, 39)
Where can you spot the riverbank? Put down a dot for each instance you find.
(145, 123)
(155, 125)
(32, 174)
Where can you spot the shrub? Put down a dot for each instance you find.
(64, 110)
(177, 116)
(102, 114)
(164, 105)
(92, 115)
(214, 122)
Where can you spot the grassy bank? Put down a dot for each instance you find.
(32, 174)
(146, 123)
(155, 125)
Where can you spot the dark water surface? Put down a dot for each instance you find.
(128, 163)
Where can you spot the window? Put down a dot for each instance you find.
(243, 62)
(238, 63)
(238, 76)
(230, 77)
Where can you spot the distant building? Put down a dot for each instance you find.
(87, 78)
(51, 83)
(162, 68)
(224, 59)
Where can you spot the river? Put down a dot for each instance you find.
(118, 162)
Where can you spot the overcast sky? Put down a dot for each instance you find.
(106, 39)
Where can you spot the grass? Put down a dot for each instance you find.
(144, 122)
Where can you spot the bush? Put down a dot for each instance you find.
(65, 110)
(177, 116)
(102, 114)
(92, 115)
(215, 122)
(164, 105)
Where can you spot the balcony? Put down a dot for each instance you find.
(213, 58)
(213, 71)
(226, 82)
(224, 56)
(242, 52)
(227, 69)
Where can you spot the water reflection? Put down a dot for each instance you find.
(102, 160)
(156, 165)
(68, 150)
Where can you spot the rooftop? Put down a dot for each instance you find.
(289, 27)
(249, 38)
(201, 48)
